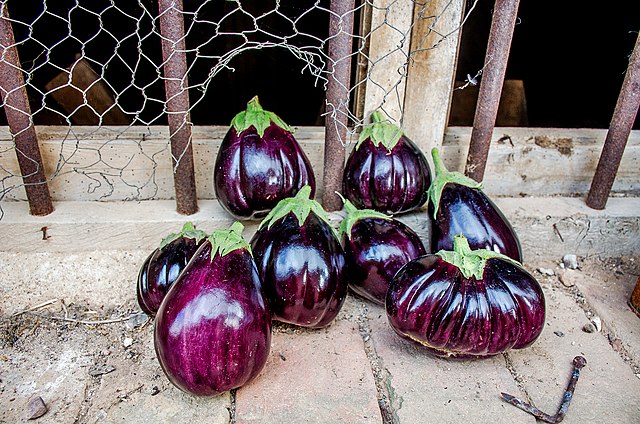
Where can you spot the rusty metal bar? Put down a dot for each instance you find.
(621, 124)
(176, 83)
(18, 111)
(503, 23)
(338, 87)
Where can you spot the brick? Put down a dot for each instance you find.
(424, 388)
(607, 389)
(312, 376)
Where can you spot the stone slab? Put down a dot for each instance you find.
(608, 390)
(428, 389)
(312, 376)
(138, 391)
(609, 299)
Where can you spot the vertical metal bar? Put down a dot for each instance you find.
(505, 13)
(176, 83)
(18, 111)
(338, 87)
(614, 144)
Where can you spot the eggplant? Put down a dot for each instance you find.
(459, 206)
(163, 266)
(466, 304)
(301, 262)
(386, 171)
(259, 163)
(213, 330)
(376, 246)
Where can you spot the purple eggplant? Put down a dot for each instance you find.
(259, 163)
(163, 266)
(301, 263)
(459, 206)
(386, 171)
(466, 304)
(213, 330)
(376, 246)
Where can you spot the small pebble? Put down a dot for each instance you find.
(597, 323)
(136, 320)
(565, 277)
(589, 328)
(128, 341)
(546, 271)
(559, 333)
(36, 408)
(570, 261)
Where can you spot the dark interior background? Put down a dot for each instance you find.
(570, 55)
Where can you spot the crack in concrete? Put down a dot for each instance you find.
(232, 406)
(387, 396)
(517, 378)
(90, 388)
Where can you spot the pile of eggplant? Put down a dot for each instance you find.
(464, 294)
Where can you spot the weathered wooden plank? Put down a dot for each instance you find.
(431, 70)
(85, 96)
(120, 163)
(388, 52)
(547, 227)
(544, 161)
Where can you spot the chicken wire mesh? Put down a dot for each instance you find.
(95, 76)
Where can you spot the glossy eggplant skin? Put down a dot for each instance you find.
(213, 331)
(252, 173)
(302, 269)
(431, 302)
(468, 211)
(392, 182)
(160, 270)
(377, 249)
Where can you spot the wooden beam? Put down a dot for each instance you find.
(120, 163)
(431, 71)
(389, 41)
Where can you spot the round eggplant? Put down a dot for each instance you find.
(386, 171)
(163, 266)
(213, 330)
(376, 246)
(459, 206)
(466, 304)
(301, 263)
(259, 163)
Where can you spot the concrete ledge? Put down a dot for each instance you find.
(547, 227)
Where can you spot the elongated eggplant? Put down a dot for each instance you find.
(163, 266)
(376, 246)
(259, 163)
(213, 330)
(301, 262)
(386, 171)
(459, 206)
(466, 304)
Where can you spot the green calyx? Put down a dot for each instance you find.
(188, 231)
(442, 178)
(226, 240)
(255, 116)
(300, 205)
(381, 132)
(471, 263)
(354, 215)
